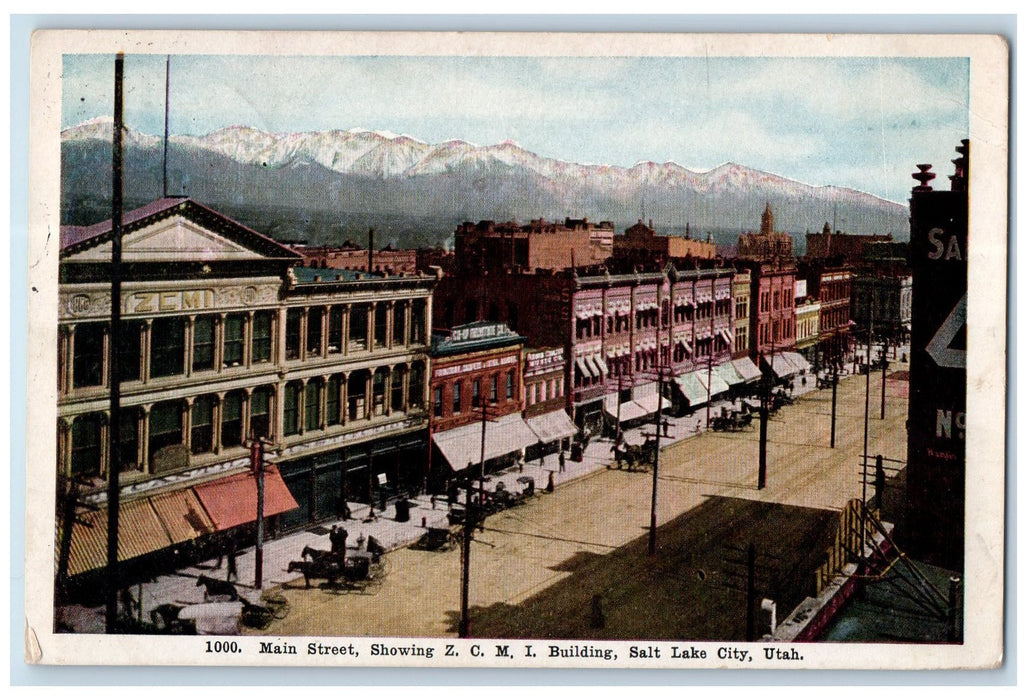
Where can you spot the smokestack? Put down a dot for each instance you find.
(370, 250)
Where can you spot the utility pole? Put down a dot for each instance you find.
(884, 369)
(114, 426)
(465, 567)
(656, 459)
(257, 464)
(834, 401)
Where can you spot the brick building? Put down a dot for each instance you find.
(830, 281)
(772, 318)
(846, 246)
(539, 244)
(741, 295)
(545, 401)
(617, 329)
(225, 339)
(640, 244)
(350, 256)
(476, 372)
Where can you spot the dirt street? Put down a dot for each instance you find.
(537, 569)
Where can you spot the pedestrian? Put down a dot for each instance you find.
(520, 464)
(563, 461)
(549, 486)
(219, 542)
(382, 502)
(233, 571)
(433, 501)
(361, 541)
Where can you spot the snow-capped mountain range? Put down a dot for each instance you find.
(360, 170)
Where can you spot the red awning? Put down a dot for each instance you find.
(233, 500)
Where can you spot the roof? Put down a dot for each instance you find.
(77, 238)
(311, 275)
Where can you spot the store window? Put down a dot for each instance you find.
(86, 445)
(231, 419)
(167, 356)
(261, 345)
(88, 361)
(233, 350)
(202, 438)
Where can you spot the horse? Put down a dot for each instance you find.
(216, 587)
(319, 555)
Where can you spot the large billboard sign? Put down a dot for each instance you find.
(937, 396)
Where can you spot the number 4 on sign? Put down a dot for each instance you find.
(939, 348)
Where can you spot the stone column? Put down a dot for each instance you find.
(215, 421)
(301, 401)
(105, 365)
(278, 336)
(187, 423)
(389, 321)
(219, 342)
(66, 358)
(105, 448)
(369, 396)
(64, 445)
(406, 388)
(303, 333)
(344, 399)
(370, 324)
(144, 438)
(190, 334)
(246, 396)
(326, 318)
(345, 330)
(322, 402)
(387, 398)
(247, 341)
(408, 313)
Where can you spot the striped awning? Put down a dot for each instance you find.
(627, 411)
(462, 446)
(139, 532)
(713, 382)
(182, 515)
(583, 367)
(747, 369)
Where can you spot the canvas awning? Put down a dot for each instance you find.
(232, 501)
(629, 410)
(462, 446)
(797, 361)
(182, 515)
(713, 382)
(598, 360)
(692, 389)
(552, 426)
(651, 403)
(583, 367)
(139, 532)
(780, 366)
(747, 369)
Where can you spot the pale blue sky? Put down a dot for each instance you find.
(854, 122)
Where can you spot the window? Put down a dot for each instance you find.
(335, 329)
(203, 343)
(85, 445)
(202, 438)
(333, 414)
(418, 331)
(378, 384)
(397, 388)
(356, 389)
(358, 327)
(381, 324)
(165, 426)
(290, 409)
(231, 420)
(261, 345)
(509, 385)
(456, 397)
(88, 362)
(437, 402)
(476, 393)
(415, 386)
(129, 359)
(168, 347)
(292, 333)
(312, 405)
(233, 355)
(399, 320)
(129, 443)
(494, 389)
(260, 412)
(315, 318)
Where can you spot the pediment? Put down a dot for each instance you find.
(175, 239)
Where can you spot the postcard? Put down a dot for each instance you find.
(493, 350)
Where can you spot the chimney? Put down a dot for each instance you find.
(370, 250)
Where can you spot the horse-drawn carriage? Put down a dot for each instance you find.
(635, 455)
(731, 422)
(354, 569)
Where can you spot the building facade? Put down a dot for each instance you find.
(350, 256)
(772, 318)
(741, 295)
(477, 396)
(768, 244)
(845, 247)
(830, 283)
(225, 340)
(540, 244)
(641, 244)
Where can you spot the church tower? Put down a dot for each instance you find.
(767, 225)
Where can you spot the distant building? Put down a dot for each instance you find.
(545, 401)
(886, 302)
(768, 244)
(350, 256)
(641, 244)
(772, 317)
(741, 295)
(539, 244)
(846, 246)
(807, 322)
(830, 283)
